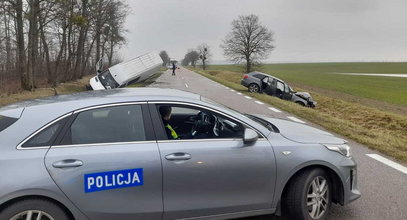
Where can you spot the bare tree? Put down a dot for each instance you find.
(164, 56)
(52, 41)
(249, 41)
(21, 61)
(191, 57)
(204, 54)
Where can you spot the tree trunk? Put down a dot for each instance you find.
(21, 58)
(33, 41)
(98, 30)
(111, 53)
(50, 75)
(81, 43)
(8, 39)
(61, 51)
(248, 64)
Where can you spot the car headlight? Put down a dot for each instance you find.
(343, 149)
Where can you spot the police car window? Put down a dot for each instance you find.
(195, 123)
(6, 122)
(46, 136)
(107, 125)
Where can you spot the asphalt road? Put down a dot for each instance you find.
(384, 188)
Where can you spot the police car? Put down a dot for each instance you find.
(106, 155)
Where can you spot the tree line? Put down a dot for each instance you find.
(54, 41)
(201, 54)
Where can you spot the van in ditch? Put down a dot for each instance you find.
(126, 73)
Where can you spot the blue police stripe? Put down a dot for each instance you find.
(94, 182)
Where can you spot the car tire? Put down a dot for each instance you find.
(300, 103)
(254, 88)
(33, 207)
(309, 196)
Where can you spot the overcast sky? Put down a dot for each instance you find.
(304, 30)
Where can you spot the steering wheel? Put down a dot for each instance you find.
(205, 122)
(201, 123)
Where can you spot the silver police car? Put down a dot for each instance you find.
(164, 154)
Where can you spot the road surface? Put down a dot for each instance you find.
(383, 184)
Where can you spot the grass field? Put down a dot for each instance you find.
(391, 90)
(381, 130)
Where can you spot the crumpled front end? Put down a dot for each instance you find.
(307, 97)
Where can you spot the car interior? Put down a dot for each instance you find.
(194, 123)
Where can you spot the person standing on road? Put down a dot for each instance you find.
(173, 69)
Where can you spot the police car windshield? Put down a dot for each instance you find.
(107, 80)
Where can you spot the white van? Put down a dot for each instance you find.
(129, 72)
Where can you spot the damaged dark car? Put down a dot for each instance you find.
(264, 83)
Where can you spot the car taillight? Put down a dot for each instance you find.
(245, 76)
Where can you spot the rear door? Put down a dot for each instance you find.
(107, 162)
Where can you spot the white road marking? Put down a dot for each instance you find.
(258, 102)
(389, 163)
(296, 119)
(239, 93)
(375, 74)
(186, 85)
(274, 109)
(232, 90)
(248, 97)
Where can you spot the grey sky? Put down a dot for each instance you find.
(304, 30)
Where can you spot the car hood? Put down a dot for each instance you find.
(303, 133)
(304, 95)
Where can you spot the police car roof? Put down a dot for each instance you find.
(100, 97)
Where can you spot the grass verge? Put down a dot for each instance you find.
(63, 88)
(379, 130)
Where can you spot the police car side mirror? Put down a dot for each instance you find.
(250, 136)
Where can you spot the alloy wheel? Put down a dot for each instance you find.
(317, 197)
(32, 215)
(253, 88)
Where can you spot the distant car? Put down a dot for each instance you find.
(106, 155)
(264, 83)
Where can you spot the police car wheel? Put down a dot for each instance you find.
(308, 196)
(36, 209)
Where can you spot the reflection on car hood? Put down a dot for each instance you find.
(303, 133)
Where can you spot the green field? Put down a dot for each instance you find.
(392, 90)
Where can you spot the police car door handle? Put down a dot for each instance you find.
(178, 156)
(67, 163)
